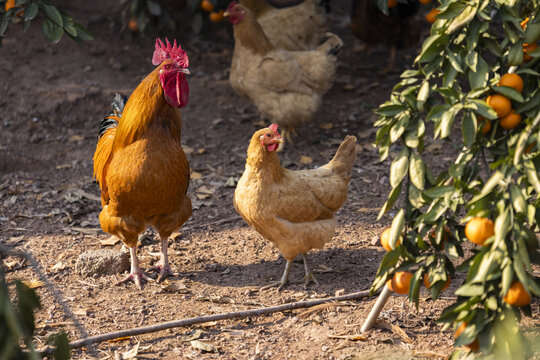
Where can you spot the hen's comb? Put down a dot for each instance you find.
(168, 51)
(274, 127)
(231, 6)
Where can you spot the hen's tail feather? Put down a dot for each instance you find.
(343, 161)
(332, 45)
(111, 120)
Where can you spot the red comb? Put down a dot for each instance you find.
(231, 5)
(168, 51)
(274, 127)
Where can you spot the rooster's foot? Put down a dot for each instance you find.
(164, 271)
(136, 278)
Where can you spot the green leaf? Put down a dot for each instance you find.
(488, 186)
(507, 278)
(478, 78)
(532, 32)
(470, 290)
(394, 195)
(463, 19)
(53, 14)
(414, 287)
(439, 191)
(447, 120)
(509, 92)
(390, 109)
(52, 31)
(399, 167)
(411, 139)
(415, 197)
(31, 11)
(532, 175)
(417, 170)
(61, 347)
(481, 108)
(423, 94)
(530, 104)
(515, 55)
(518, 201)
(397, 228)
(468, 128)
(82, 32)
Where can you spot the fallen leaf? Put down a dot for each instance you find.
(326, 126)
(63, 166)
(230, 182)
(187, 149)
(57, 267)
(84, 194)
(90, 231)
(190, 336)
(120, 339)
(196, 344)
(204, 190)
(132, 353)
(395, 329)
(354, 337)
(201, 151)
(306, 160)
(34, 283)
(80, 312)
(75, 138)
(202, 196)
(110, 241)
(208, 324)
(195, 175)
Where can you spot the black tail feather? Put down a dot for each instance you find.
(109, 122)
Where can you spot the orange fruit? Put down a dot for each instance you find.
(529, 148)
(500, 104)
(425, 2)
(392, 3)
(474, 345)
(486, 126)
(385, 240)
(401, 282)
(527, 48)
(207, 5)
(517, 295)
(479, 229)
(512, 80)
(216, 16)
(524, 23)
(428, 285)
(389, 284)
(510, 121)
(430, 16)
(133, 25)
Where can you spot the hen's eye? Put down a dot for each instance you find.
(268, 135)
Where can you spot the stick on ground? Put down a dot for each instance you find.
(207, 318)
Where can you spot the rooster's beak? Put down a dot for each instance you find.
(185, 71)
(226, 14)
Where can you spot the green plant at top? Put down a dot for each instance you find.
(55, 22)
(494, 175)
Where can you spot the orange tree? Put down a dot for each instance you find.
(54, 23)
(493, 178)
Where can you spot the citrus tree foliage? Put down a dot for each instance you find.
(55, 22)
(493, 175)
(17, 324)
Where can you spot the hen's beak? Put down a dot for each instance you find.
(279, 140)
(226, 14)
(185, 71)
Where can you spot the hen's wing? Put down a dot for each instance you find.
(280, 72)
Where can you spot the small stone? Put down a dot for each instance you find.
(102, 262)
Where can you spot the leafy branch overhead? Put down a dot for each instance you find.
(475, 86)
(54, 24)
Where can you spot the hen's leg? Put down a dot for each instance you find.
(284, 279)
(136, 273)
(309, 274)
(163, 263)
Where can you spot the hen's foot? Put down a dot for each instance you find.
(309, 274)
(164, 271)
(284, 279)
(136, 278)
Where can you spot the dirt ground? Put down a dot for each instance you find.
(53, 98)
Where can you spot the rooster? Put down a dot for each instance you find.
(286, 86)
(299, 27)
(293, 209)
(397, 30)
(139, 163)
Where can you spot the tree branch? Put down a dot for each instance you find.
(204, 319)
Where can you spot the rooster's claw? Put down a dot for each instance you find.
(136, 278)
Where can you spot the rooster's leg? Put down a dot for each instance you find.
(309, 274)
(163, 263)
(136, 273)
(284, 279)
